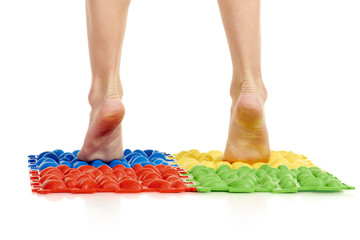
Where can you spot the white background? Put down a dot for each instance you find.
(176, 73)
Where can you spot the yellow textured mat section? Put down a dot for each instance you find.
(214, 159)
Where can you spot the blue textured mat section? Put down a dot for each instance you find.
(130, 159)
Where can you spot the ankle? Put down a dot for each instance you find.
(250, 84)
(104, 89)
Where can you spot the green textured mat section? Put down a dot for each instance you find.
(264, 179)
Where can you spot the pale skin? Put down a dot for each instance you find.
(247, 137)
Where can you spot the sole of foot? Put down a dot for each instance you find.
(104, 136)
(248, 136)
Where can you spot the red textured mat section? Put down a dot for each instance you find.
(88, 179)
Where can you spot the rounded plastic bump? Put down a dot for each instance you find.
(129, 171)
(172, 179)
(289, 184)
(109, 185)
(274, 171)
(207, 170)
(154, 159)
(63, 167)
(120, 166)
(265, 179)
(283, 168)
(96, 172)
(88, 184)
(132, 176)
(41, 160)
(97, 163)
(138, 159)
(125, 165)
(130, 184)
(73, 171)
(302, 168)
(53, 184)
(141, 171)
(160, 184)
(157, 155)
(105, 169)
(315, 171)
(42, 154)
(270, 185)
(218, 184)
(315, 182)
(45, 171)
(127, 152)
(242, 171)
(65, 159)
(82, 177)
(131, 155)
(327, 178)
(67, 163)
(146, 183)
(295, 171)
(74, 160)
(211, 176)
(242, 184)
(79, 164)
(139, 164)
(56, 172)
(223, 168)
(73, 176)
(152, 167)
(123, 160)
(196, 168)
(46, 164)
(160, 162)
(161, 168)
(68, 155)
(119, 173)
(169, 172)
(150, 175)
(302, 174)
(231, 178)
(226, 174)
(137, 167)
(147, 163)
(141, 152)
(265, 167)
(103, 178)
(48, 177)
(333, 183)
(85, 168)
(285, 173)
(305, 178)
(52, 156)
(148, 152)
(273, 176)
(260, 173)
(71, 183)
(114, 162)
(58, 152)
(250, 176)
(178, 184)
(283, 179)
(206, 181)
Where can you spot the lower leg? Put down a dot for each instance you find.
(248, 137)
(106, 21)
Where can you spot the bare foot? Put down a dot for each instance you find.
(103, 139)
(248, 137)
